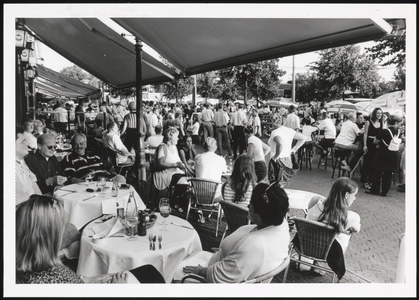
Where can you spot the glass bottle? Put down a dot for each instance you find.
(131, 213)
(115, 188)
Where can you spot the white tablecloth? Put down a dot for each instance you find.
(299, 199)
(116, 253)
(81, 212)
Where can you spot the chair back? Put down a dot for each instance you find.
(271, 274)
(235, 214)
(105, 155)
(315, 238)
(204, 190)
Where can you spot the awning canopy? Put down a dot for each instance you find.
(52, 83)
(98, 49)
(193, 45)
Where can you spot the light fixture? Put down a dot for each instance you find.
(30, 73)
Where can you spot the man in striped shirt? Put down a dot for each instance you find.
(79, 163)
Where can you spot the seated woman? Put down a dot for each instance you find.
(169, 168)
(187, 154)
(334, 210)
(39, 228)
(251, 250)
(257, 150)
(239, 186)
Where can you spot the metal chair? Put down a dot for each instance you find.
(315, 239)
(264, 278)
(204, 191)
(340, 154)
(236, 216)
(119, 168)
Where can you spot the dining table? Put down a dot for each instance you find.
(115, 253)
(299, 199)
(83, 202)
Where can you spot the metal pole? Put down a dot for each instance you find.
(293, 80)
(194, 91)
(139, 99)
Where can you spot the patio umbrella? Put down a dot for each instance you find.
(334, 102)
(342, 108)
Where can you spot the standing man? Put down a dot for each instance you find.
(155, 120)
(239, 121)
(45, 165)
(292, 121)
(60, 117)
(207, 119)
(221, 120)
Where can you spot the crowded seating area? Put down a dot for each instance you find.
(207, 166)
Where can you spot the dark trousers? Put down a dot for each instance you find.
(131, 139)
(380, 178)
(367, 163)
(239, 140)
(222, 139)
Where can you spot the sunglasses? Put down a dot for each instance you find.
(52, 147)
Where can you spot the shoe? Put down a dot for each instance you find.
(346, 168)
(367, 185)
(383, 194)
(371, 193)
(178, 208)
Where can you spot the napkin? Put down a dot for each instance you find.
(108, 228)
(109, 206)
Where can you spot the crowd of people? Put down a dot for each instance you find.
(227, 132)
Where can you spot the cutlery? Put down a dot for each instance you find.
(150, 238)
(154, 243)
(89, 198)
(182, 226)
(160, 239)
(71, 191)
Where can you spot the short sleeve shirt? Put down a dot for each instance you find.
(348, 133)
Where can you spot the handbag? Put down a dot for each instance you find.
(394, 143)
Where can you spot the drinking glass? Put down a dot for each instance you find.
(164, 207)
(101, 185)
(120, 204)
(160, 203)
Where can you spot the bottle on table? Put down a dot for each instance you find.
(131, 215)
(115, 188)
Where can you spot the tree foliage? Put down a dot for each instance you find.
(392, 48)
(207, 85)
(177, 88)
(75, 72)
(306, 87)
(345, 68)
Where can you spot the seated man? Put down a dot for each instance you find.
(209, 165)
(112, 141)
(25, 180)
(45, 165)
(346, 141)
(154, 141)
(79, 163)
(329, 129)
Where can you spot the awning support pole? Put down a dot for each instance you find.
(141, 176)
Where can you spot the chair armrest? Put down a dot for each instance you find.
(195, 277)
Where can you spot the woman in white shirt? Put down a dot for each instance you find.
(193, 128)
(251, 250)
(257, 150)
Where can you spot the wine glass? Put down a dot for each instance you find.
(160, 203)
(164, 207)
(101, 185)
(131, 217)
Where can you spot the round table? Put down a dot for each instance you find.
(82, 206)
(116, 253)
(299, 199)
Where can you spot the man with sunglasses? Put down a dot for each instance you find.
(45, 165)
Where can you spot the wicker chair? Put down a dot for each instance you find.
(258, 279)
(236, 215)
(315, 240)
(204, 191)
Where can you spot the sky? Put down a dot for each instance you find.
(56, 62)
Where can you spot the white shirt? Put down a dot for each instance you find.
(210, 166)
(113, 141)
(307, 130)
(31, 140)
(24, 182)
(287, 135)
(60, 115)
(348, 133)
(207, 115)
(257, 128)
(328, 127)
(257, 148)
(155, 140)
(239, 118)
(292, 121)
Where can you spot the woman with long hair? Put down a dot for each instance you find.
(39, 231)
(257, 150)
(239, 186)
(334, 210)
(371, 128)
